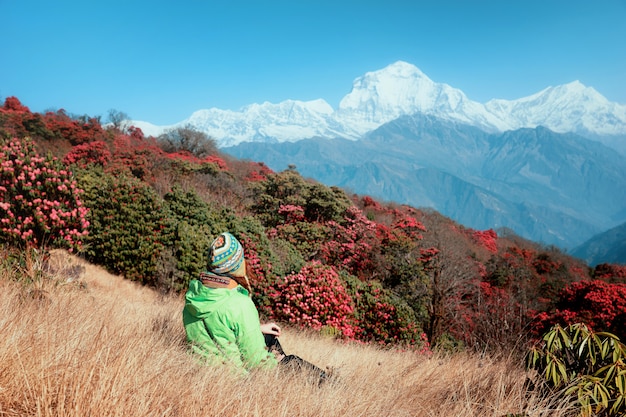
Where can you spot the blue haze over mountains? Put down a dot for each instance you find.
(551, 166)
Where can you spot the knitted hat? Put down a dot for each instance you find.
(226, 256)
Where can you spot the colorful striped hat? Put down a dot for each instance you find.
(226, 255)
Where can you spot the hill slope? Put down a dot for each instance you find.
(607, 247)
(108, 347)
(553, 188)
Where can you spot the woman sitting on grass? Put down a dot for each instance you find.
(221, 321)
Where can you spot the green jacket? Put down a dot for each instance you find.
(223, 326)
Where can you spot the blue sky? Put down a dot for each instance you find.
(159, 61)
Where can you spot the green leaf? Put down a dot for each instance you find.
(620, 383)
(592, 354)
(582, 346)
(606, 345)
(562, 369)
(620, 400)
(602, 394)
(565, 337)
(610, 371)
(549, 338)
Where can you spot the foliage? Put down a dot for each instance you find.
(95, 152)
(156, 205)
(383, 318)
(76, 131)
(187, 140)
(314, 297)
(127, 221)
(319, 204)
(351, 243)
(487, 239)
(134, 154)
(599, 304)
(306, 237)
(585, 365)
(190, 229)
(610, 273)
(16, 120)
(40, 202)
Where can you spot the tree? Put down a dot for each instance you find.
(187, 139)
(453, 276)
(117, 117)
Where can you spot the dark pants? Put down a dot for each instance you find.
(293, 362)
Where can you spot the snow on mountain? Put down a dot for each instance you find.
(401, 89)
(570, 107)
(285, 121)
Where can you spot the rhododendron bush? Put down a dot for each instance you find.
(318, 297)
(317, 257)
(383, 318)
(127, 223)
(313, 297)
(601, 305)
(40, 202)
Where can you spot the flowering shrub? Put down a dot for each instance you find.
(88, 153)
(600, 305)
(258, 172)
(16, 120)
(186, 163)
(314, 297)
(351, 244)
(135, 154)
(306, 237)
(410, 226)
(487, 239)
(382, 318)
(610, 273)
(39, 200)
(76, 131)
(320, 203)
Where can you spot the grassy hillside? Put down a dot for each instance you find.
(80, 341)
(427, 316)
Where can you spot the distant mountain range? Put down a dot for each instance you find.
(544, 166)
(402, 89)
(554, 188)
(608, 247)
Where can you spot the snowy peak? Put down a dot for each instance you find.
(396, 90)
(402, 89)
(571, 107)
(268, 122)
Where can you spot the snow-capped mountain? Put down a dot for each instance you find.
(567, 108)
(402, 89)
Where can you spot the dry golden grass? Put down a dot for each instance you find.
(102, 346)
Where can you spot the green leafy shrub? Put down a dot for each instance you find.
(191, 227)
(127, 220)
(318, 202)
(382, 318)
(306, 237)
(588, 366)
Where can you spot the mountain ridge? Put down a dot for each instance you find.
(401, 89)
(553, 188)
(397, 111)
